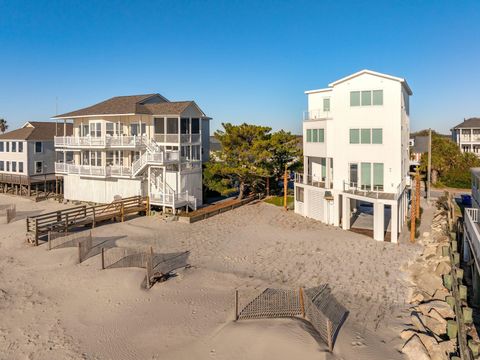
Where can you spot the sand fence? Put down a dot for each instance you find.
(158, 266)
(317, 305)
(8, 213)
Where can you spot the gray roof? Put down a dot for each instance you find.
(469, 123)
(420, 144)
(37, 130)
(150, 104)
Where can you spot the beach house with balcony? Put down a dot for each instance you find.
(470, 246)
(135, 145)
(467, 135)
(356, 151)
(27, 158)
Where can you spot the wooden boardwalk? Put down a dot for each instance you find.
(63, 220)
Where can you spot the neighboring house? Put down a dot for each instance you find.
(467, 135)
(27, 155)
(136, 145)
(418, 147)
(356, 137)
(215, 147)
(471, 232)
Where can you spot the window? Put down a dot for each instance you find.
(377, 97)
(2, 146)
(96, 158)
(172, 126)
(185, 125)
(20, 146)
(110, 128)
(326, 104)
(316, 135)
(353, 174)
(84, 130)
(365, 136)
(366, 98)
(159, 125)
(378, 176)
(2, 166)
(14, 166)
(185, 152)
(299, 195)
(7, 146)
(134, 129)
(20, 166)
(195, 126)
(8, 165)
(354, 136)
(14, 146)
(354, 98)
(377, 136)
(38, 167)
(321, 135)
(38, 146)
(95, 129)
(366, 175)
(196, 152)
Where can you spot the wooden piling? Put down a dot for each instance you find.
(236, 304)
(103, 258)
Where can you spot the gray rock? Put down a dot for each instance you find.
(417, 321)
(443, 268)
(440, 306)
(437, 327)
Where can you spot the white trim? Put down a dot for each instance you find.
(318, 91)
(86, 116)
(374, 73)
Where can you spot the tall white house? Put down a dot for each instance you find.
(467, 135)
(356, 149)
(135, 145)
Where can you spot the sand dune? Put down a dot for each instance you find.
(53, 308)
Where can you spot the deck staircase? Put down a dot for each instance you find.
(161, 194)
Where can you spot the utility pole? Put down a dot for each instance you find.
(285, 188)
(417, 193)
(429, 168)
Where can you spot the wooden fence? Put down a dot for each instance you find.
(213, 210)
(58, 240)
(317, 305)
(63, 220)
(9, 212)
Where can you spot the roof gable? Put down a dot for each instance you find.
(374, 73)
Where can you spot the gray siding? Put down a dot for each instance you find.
(47, 156)
(205, 140)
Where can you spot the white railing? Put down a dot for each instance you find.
(190, 138)
(367, 190)
(316, 114)
(472, 232)
(102, 141)
(156, 158)
(173, 199)
(91, 170)
(166, 138)
(312, 180)
(191, 165)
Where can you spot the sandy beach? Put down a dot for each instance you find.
(54, 308)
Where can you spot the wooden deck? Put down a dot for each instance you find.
(63, 220)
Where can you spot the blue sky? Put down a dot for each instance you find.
(241, 61)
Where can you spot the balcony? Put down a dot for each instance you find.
(93, 171)
(472, 232)
(99, 142)
(316, 114)
(175, 138)
(373, 192)
(312, 181)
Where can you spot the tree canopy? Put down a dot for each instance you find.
(3, 125)
(249, 154)
(450, 166)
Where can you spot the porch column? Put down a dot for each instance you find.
(394, 222)
(148, 183)
(378, 221)
(328, 169)
(346, 212)
(336, 206)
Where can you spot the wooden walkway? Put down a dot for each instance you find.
(63, 220)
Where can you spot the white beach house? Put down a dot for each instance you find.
(356, 149)
(471, 237)
(467, 135)
(136, 145)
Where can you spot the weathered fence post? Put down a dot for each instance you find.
(79, 252)
(36, 231)
(103, 258)
(66, 223)
(302, 303)
(49, 237)
(122, 211)
(93, 221)
(329, 335)
(236, 304)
